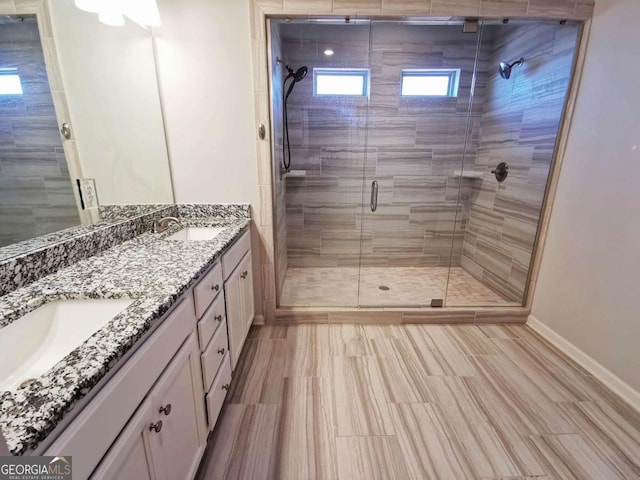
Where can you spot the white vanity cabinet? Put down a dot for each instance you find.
(150, 418)
(238, 290)
(112, 432)
(225, 315)
(212, 337)
(162, 440)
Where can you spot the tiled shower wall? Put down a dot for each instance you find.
(413, 149)
(36, 195)
(519, 126)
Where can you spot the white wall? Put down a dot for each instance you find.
(203, 52)
(114, 103)
(589, 285)
(204, 59)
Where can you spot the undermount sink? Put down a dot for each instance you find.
(196, 233)
(34, 343)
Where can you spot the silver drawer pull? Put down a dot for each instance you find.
(156, 427)
(225, 386)
(221, 351)
(166, 409)
(218, 318)
(215, 287)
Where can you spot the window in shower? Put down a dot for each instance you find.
(430, 83)
(340, 81)
(10, 82)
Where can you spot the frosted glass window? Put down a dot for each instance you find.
(10, 84)
(430, 83)
(337, 81)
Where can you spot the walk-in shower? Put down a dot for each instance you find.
(416, 120)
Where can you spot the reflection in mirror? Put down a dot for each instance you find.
(109, 76)
(102, 81)
(36, 192)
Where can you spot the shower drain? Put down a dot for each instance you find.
(383, 287)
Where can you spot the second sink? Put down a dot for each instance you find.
(196, 233)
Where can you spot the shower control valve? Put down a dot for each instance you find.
(501, 172)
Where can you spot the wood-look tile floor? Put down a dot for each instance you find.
(417, 402)
(406, 286)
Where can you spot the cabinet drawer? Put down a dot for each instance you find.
(213, 355)
(218, 392)
(205, 291)
(235, 253)
(211, 320)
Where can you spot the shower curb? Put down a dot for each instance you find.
(399, 316)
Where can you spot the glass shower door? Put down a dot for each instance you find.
(418, 127)
(523, 74)
(318, 195)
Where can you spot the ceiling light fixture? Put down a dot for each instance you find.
(328, 52)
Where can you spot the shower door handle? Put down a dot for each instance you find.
(374, 196)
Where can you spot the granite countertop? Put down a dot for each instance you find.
(150, 269)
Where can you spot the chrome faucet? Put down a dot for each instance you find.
(161, 225)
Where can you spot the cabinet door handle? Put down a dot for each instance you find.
(166, 409)
(225, 386)
(218, 318)
(156, 427)
(221, 351)
(244, 274)
(215, 287)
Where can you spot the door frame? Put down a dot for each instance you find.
(259, 12)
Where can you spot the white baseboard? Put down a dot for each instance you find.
(617, 385)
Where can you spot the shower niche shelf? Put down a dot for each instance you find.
(295, 174)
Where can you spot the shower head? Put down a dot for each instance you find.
(298, 75)
(505, 68)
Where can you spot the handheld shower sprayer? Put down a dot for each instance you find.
(293, 77)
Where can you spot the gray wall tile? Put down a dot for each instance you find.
(519, 126)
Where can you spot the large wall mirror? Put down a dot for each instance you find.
(60, 65)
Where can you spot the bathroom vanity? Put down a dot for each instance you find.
(138, 398)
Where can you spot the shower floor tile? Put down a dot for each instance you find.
(401, 286)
